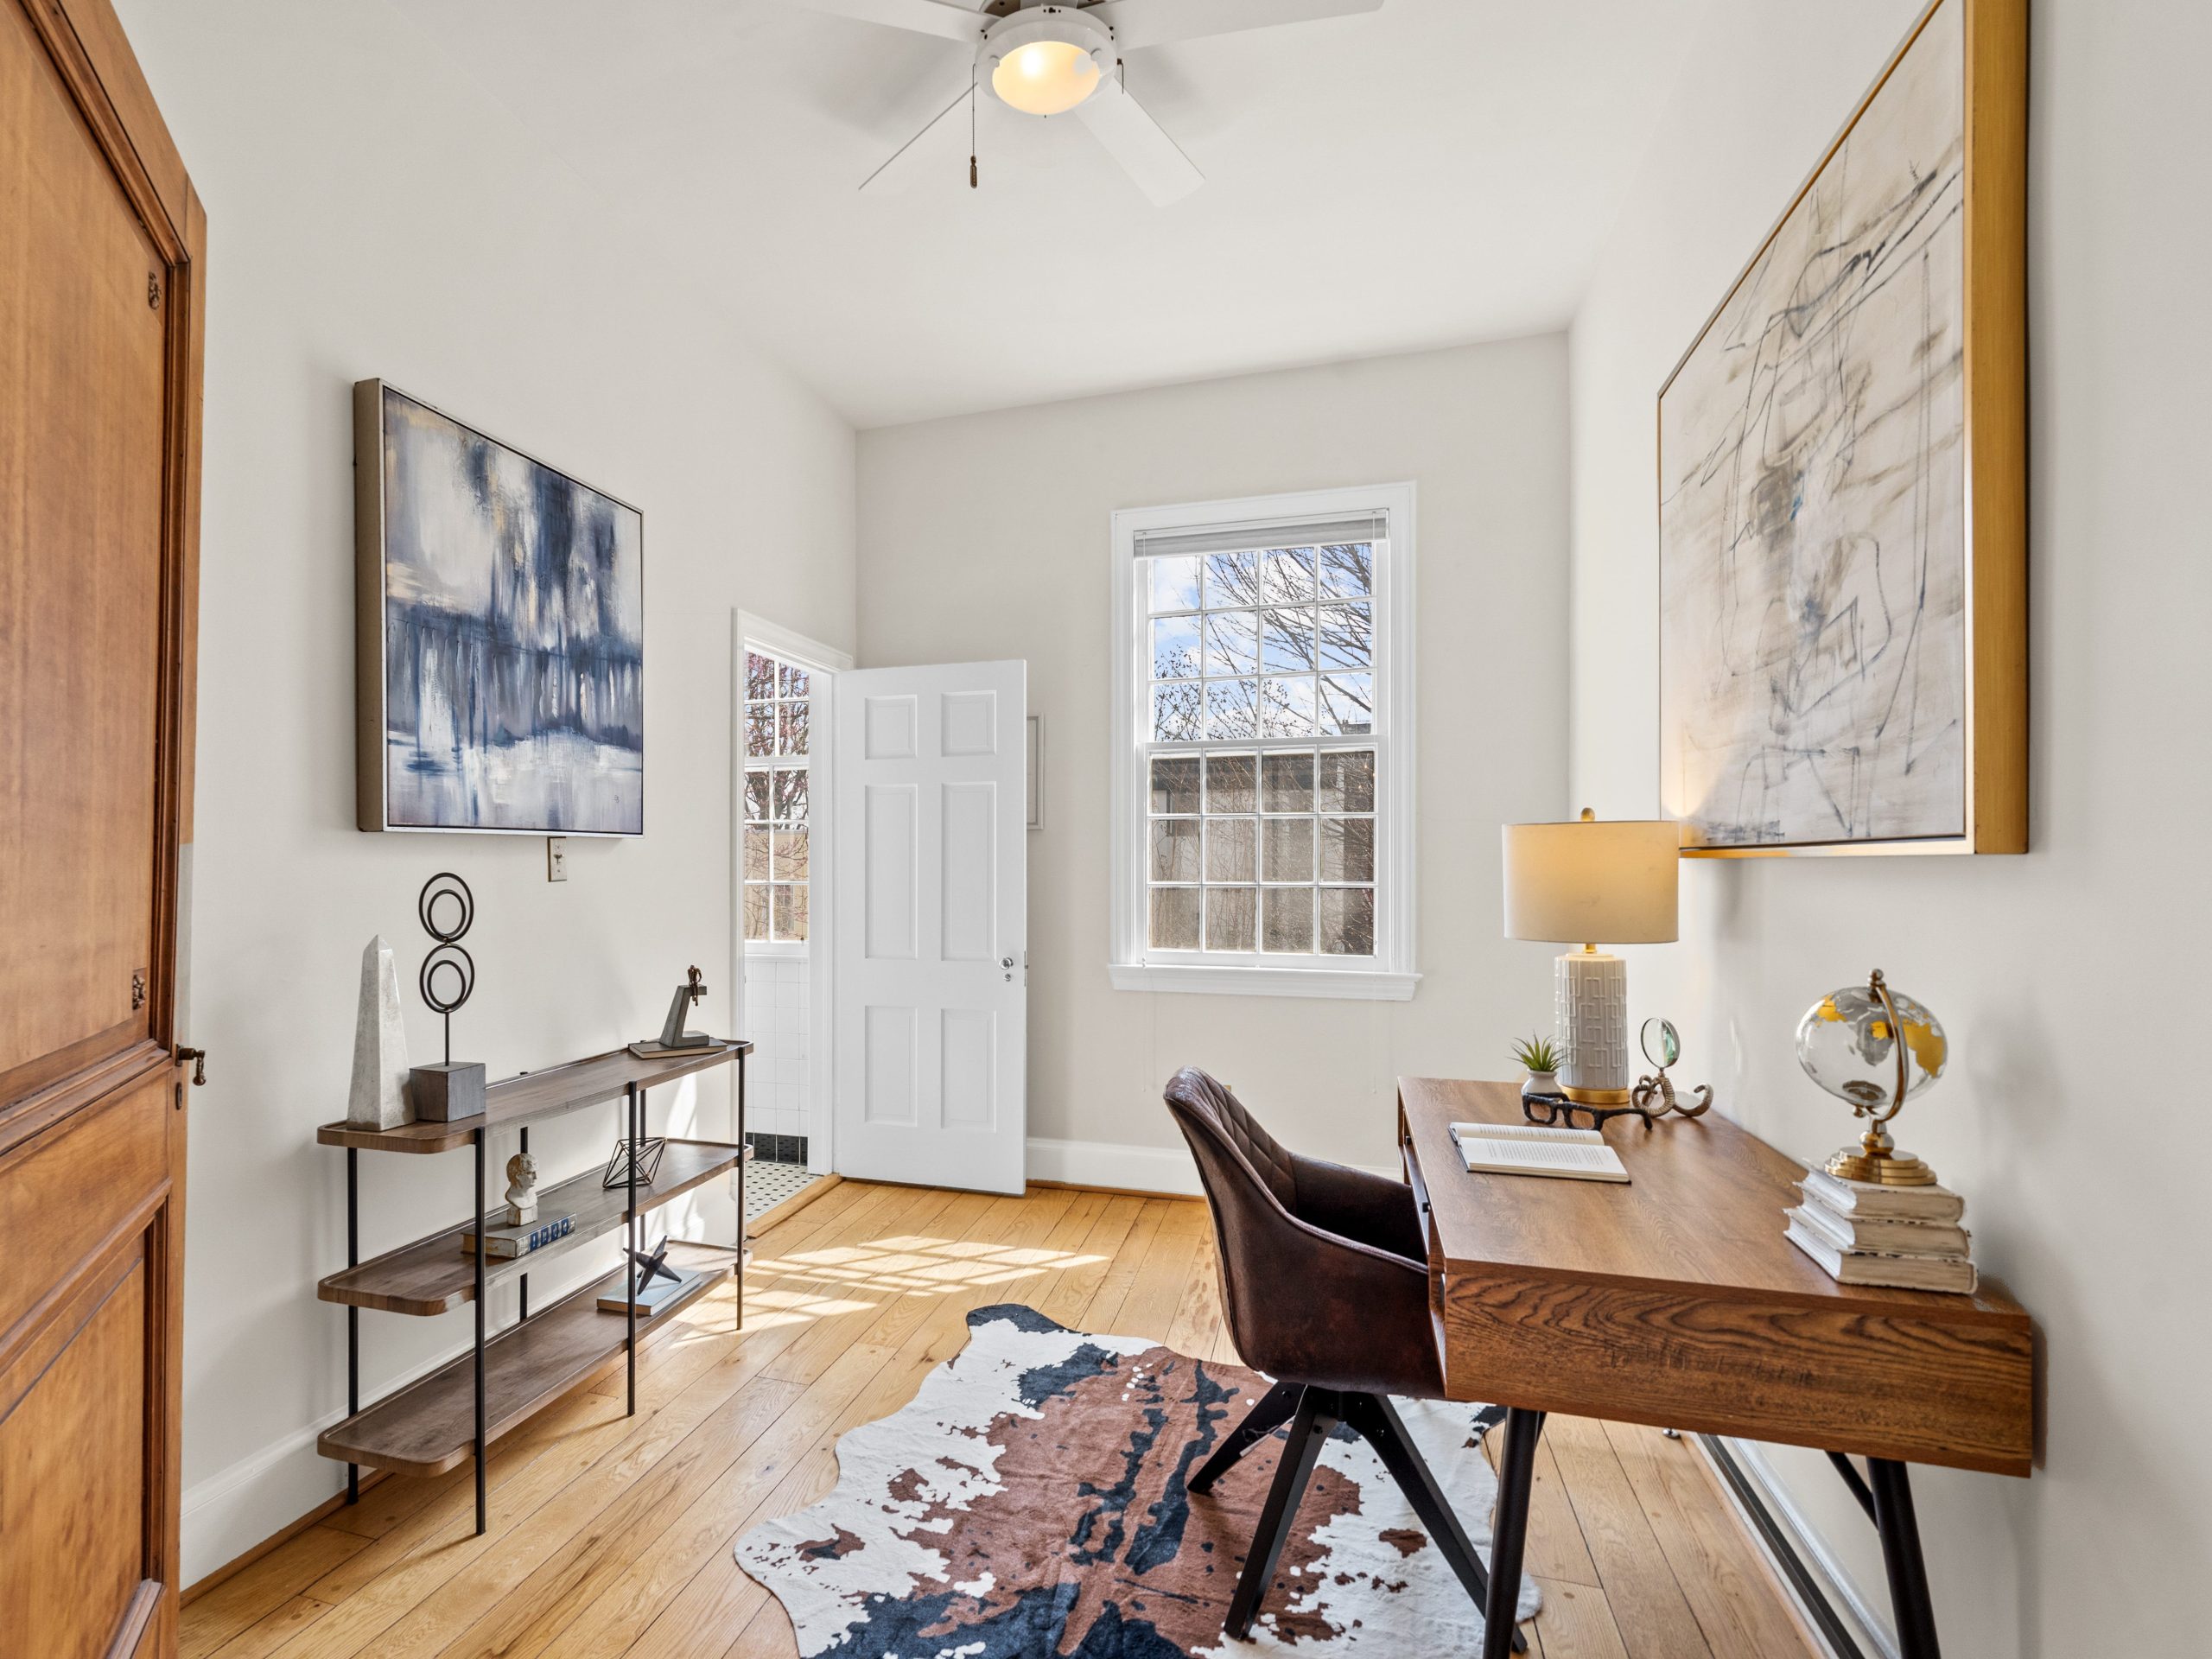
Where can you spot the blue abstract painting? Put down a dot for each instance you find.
(513, 637)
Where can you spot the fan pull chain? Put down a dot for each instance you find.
(973, 182)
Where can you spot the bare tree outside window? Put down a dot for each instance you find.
(1267, 848)
(778, 717)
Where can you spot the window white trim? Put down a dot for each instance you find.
(1131, 966)
(773, 641)
(825, 663)
(1361, 984)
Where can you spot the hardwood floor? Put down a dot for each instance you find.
(612, 1536)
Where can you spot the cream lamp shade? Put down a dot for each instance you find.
(1589, 883)
(1593, 883)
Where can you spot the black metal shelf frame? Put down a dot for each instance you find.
(632, 1237)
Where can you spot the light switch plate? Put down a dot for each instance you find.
(557, 858)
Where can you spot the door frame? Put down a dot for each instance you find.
(824, 662)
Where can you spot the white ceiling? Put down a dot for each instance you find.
(1436, 172)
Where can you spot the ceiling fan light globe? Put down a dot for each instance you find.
(1045, 77)
(1046, 59)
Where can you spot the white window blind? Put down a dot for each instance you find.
(1340, 529)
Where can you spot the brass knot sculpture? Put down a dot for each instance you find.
(1654, 1096)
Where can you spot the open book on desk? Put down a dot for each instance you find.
(1534, 1149)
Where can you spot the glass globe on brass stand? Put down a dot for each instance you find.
(1874, 1047)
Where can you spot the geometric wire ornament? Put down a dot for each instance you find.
(447, 909)
(618, 1169)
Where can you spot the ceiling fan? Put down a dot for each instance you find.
(1058, 57)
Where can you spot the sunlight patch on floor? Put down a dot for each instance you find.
(904, 1264)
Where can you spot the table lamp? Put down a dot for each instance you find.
(1579, 883)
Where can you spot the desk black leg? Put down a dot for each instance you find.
(1909, 1603)
(476, 1209)
(1517, 1472)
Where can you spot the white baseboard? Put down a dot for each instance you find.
(1166, 1170)
(266, 1491)
(1864, 1633)
(234, 1510)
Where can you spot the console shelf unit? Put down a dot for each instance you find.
(434, 1423)
(427, 1427)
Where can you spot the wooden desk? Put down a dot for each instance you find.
(1675, 1300)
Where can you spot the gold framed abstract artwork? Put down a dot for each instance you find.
(1843, 483)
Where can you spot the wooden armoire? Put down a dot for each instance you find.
(100, 313)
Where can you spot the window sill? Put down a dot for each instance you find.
(1357, 984)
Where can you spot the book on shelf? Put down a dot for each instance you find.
(1537, 1149)
(504, 1243)
(652, 1297)
(1864, 1198)
(1880, 1233)
(1880, 1267)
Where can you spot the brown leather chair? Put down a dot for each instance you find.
(1325, 1278)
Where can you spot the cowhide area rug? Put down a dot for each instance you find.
(1031, 1501)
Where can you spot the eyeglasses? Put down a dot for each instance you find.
(1556, 1111)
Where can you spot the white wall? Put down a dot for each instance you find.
(372, 214)
(2069, 978)
(987, 537)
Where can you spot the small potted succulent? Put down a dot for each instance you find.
(1539, 1056)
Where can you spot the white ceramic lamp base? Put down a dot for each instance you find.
(1590, 1008)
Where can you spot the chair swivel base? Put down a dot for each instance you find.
(1312, 1413)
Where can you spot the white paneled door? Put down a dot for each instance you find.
(931, 926)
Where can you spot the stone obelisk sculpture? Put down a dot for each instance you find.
(379, 1098)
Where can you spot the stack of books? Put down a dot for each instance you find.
(1905, 1236)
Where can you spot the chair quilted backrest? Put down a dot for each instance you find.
(1194, 1091)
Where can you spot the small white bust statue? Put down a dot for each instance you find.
(522, 1190)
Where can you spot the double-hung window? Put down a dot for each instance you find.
(1262, 746)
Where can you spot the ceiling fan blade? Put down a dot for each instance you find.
(929, 126)
(1139, 144)
(944, 18)
(1156, 22)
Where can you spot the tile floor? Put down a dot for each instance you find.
(767, 1186)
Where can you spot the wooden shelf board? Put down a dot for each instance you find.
(428, 1426)
(434, 1274)
(518, 1100)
